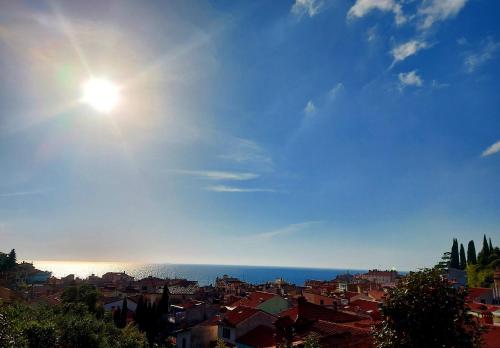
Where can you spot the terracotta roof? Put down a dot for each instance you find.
(260, 337)
(476, 292)
(372, 308)
(291, 313)
(491, 337)
(254, 299)
(377, 294)
(311, 311)
(239, 314)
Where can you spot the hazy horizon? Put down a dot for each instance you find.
(307, 133)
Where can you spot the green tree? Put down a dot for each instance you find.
(463, 260)
(454, 257)
(40, 334)
(164, 304)
(444, 263)
(312, 341)
(424, 310)
(484, 254)
(11, 260)
(124, 313)
(490, 246)
(471, 253)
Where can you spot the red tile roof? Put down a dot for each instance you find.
(376, 294)
(239, 314)
(260, 337)
(254, 299)
(476, 292)
(372, 308)
(491, 337)
(310, 311)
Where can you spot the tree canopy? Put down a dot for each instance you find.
(424, 310)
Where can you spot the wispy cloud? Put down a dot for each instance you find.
(492, 149)
(287, 230)
(334, 92)
(23, 193)
(307, 7)
(310, 108)
(486, 52)
(247, 152)
(363, 7)
(410, 78)
(224, 188)
(219, 175)
(407, 49)
(433, 11)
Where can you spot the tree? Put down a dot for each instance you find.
(454, 258)
(484, 254)
(124, 313)
(312, 341)
(444, 264)
(490, 246)
(463, 261)
(425, 310)
(164, 304)
(117, 316)
(471, 253)
(11, 260)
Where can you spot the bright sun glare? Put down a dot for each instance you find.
(101, 94)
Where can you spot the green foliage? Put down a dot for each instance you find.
(424, 310)
(454, 257)
(463, 261)
(8, 261)
(312, 341)
(481, 273)
(444, 264)
(484, 254)
(86, 294)
(471, 253)
(68, 325)
(220, 344)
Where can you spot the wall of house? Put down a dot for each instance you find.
(202, 335)
(274, 305)
(183, 339)
(259, 318)
(232, 335)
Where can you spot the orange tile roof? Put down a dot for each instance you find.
(239, 314)
(254, 299)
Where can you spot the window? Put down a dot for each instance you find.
(226, 333)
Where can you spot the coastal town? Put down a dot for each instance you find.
(340, 312)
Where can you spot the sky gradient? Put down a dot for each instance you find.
(309, 133)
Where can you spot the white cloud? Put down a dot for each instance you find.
(224, 188)
(290, 229)
(246, 152)
(310, 108)
(371, 34)
(309, 7)
(363, 7)
(334, 92)
(23, 193)
(407, 49)
(219, 175)
(491, 150)
(410, 78)
(484, 54)
(433, 11)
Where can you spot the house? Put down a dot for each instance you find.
(334, 335)
(180, 293)
(201, 335)
(366, 307)
(266, 301)
(319, 299)
(241, 320)
(457, 277)
(115, 302)
(260, 337)
(481, 295)
(117, 278)
(190, 312)
(381, 277)
(230, 285)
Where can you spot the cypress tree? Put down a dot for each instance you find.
(463, 261)
(11, 259)
(486, 247)
(484, 254)
(164, 304)
(454, 260)
(138, 316)
(124, 313)
(117, 317)
(490, 246)
(471, 253)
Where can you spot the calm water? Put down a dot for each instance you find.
(204, 274)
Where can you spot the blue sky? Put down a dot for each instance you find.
(308, 133)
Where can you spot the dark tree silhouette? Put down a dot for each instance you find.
(455, 259)
(463, 261)
(471, 253)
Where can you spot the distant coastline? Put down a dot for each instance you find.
(204, 274)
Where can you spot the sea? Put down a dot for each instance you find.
(204, 274)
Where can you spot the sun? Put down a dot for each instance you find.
(101, 94)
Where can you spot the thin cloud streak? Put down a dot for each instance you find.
(492, 149)
(232, 189)
(219, 175)
(23, 193)
(287, 230)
